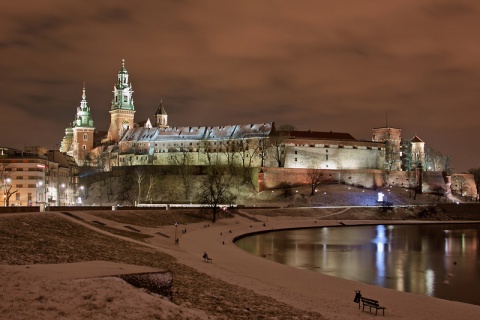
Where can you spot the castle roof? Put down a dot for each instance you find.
(416, 139)
(141, 134)
(161, 109)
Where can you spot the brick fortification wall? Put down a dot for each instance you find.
(273, 177)
(432, 181)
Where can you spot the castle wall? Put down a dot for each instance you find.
(329, 156)
(190, 158)
(274, 177)
(432, 181)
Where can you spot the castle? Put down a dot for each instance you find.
(261, 145)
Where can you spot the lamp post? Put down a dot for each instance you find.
(37, 197)
(62, 194)
(80, 195)
(176, 225)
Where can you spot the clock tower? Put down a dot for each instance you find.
(82, 131)
(122, 110)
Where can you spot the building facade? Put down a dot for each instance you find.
(33, 178)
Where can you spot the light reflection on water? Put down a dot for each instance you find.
(440, 260)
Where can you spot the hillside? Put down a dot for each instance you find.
(170, 190)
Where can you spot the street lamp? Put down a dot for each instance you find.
(39, 185)
(176, 225)
(62, 194)
(82, 193)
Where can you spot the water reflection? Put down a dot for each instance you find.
(441, 260)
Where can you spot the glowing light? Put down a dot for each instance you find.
(380, 196)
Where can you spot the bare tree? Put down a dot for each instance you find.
(140, 177)
(286, 187)
(215, 190)
(436, 161)
(392, 156)
(277, 143)
(227, 147)
(182, 161)
(459, 183)
(247, 148)
(127, 191)
(6, 184)
(151, 185)
(314, 177)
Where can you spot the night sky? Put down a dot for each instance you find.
(346, 66)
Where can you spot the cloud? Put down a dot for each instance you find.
(321, 65)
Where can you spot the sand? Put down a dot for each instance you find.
(31, 292)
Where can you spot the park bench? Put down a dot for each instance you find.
(366, 302)
(206, 258)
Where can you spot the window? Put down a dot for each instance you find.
(295, 152)
(20, 177)
(19, 185)
(295, 159)
(17, 197)
(84, 147)
(125, 98)
(326, 157)
(85, 137)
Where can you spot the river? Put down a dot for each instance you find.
(439, 260)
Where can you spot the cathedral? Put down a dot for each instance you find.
(130, 143)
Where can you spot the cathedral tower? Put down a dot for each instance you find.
(417, 151)
(122, 110)
(161, 117)
(82, 130)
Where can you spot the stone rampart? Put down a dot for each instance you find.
(432, 181)
(273, 177)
